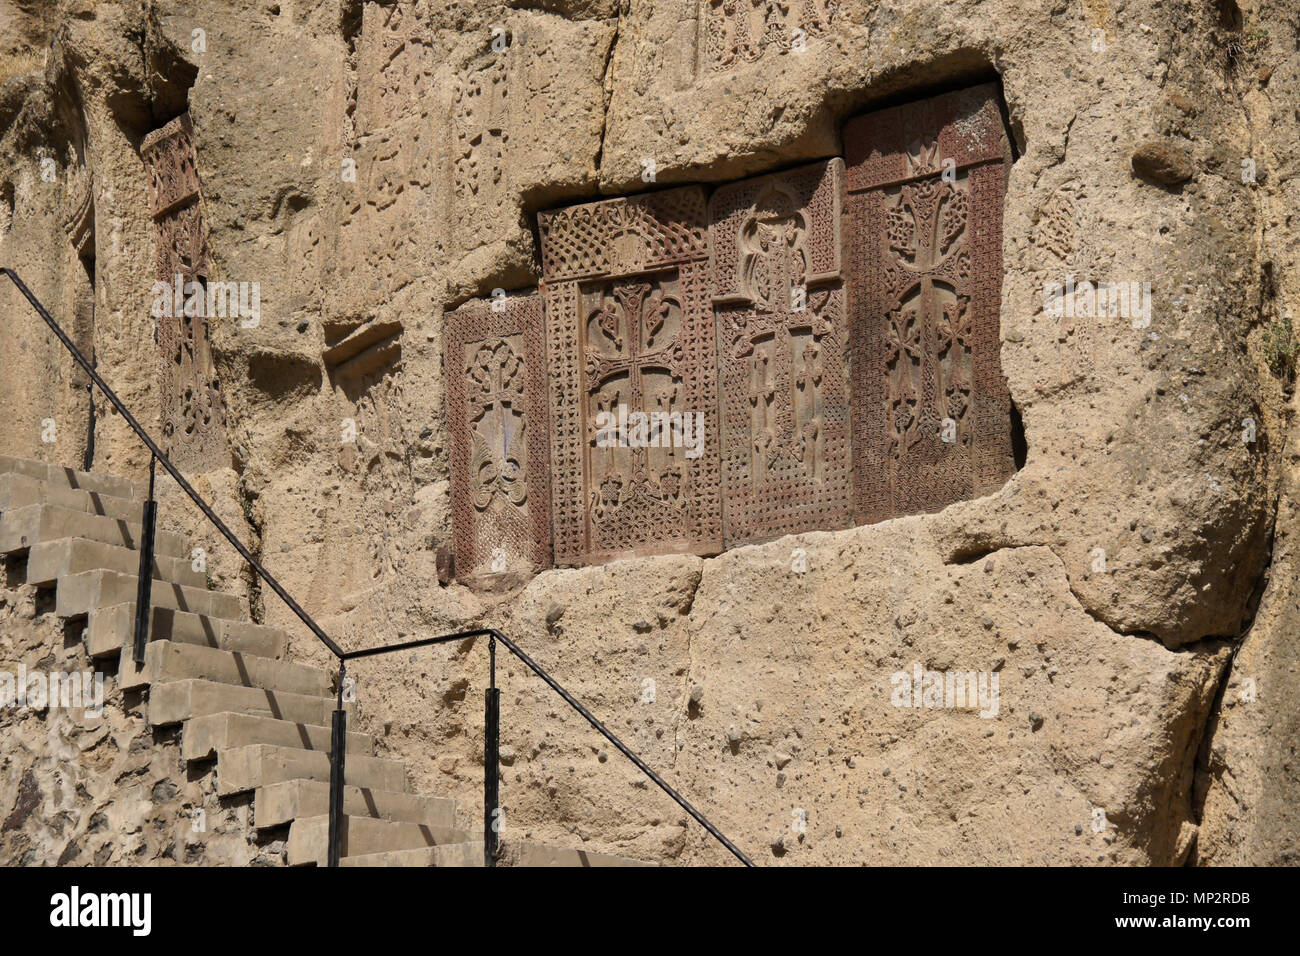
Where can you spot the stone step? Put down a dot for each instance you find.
(50, 560)
(524, 853)
(21, 491)
(259, 765)
(309, 838)
(109, 629)
(79, 594)
(175, 701)
(513, 853)
(22, 528)
(204, 736)
(69, 478)
(168, 661)
(281, 803)
(449, 854)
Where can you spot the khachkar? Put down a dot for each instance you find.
(778, 296)
(742, 31)
(630, 341)
(497, 422)
(931, 410)
(193, 417)
(480, 128)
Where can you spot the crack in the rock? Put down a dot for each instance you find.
(607, 93)
(687, 609)
(1065, 149)
(962, 557)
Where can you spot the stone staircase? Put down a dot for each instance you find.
(261, 721)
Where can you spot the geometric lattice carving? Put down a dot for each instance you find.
(778, 295)
(630, 334)
(193, 417)
(829, 388)
(742, 31)
(931, 410)
(497, 424)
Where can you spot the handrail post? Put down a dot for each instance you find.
(338, 749)
(144, 586)
(491, 760)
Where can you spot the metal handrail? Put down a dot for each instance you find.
(171, 469)
(339, 725)
(494, 635)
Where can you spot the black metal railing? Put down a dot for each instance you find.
(338, 727)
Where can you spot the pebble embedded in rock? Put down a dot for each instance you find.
(1163, 162)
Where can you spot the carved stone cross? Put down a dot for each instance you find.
(659, 308)
(778, 298)
(192, 407)
(630, 333)
(497, 425)
(497, 401)
(931, 408)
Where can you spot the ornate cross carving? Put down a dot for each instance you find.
(931, 409)
(496, 400)
(497, 423)
(630, 334)
(631, 320)
(779, 302)
(630, 339)
(193, 412)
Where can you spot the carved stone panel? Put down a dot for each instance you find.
(778, 296)
(481, 127)
(193, 415)
(394, 73)
(931, 410)
(633, 368)
(742, 31)
(497, 423)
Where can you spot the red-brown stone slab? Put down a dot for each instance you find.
(924, 225)
(497, 424)
(778, 295)
(193, 411)
(629, 326)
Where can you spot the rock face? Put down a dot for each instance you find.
(371, 166)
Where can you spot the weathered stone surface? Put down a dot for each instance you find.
(193, 424)
(1134, 436)
(1249, 785)
(735, 32)
(1165, 163)
(80, 790)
